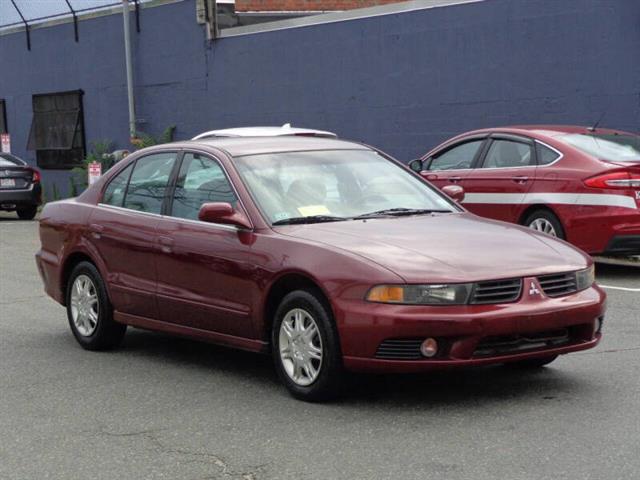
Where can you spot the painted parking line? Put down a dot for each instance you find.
(624, 289)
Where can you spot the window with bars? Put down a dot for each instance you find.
(57, 130)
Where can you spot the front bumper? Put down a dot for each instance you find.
(463, 330)
(10, 199)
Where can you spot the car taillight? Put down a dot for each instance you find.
(614, 180)
(35, 175)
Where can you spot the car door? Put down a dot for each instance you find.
(497, 188)
(451, 165)
(203, 273)
(123, 230)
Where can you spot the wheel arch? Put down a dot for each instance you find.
(70, 262)
(283, 285)
(535, 207)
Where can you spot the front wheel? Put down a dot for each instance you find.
(306, 349)
(89, 310)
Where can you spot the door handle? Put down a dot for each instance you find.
(455, 179)
(165, 243)
(96, 230)
(520, 179)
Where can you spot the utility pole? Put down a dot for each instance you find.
(127, 55)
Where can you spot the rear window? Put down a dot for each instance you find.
(8, 160)
(615, 148)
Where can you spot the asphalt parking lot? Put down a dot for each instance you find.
(161, 407)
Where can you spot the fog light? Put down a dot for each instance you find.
(429, 347)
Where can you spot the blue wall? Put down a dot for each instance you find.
(403, 82)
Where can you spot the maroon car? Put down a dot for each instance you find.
(327, 253)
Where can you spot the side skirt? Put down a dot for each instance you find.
(248, 344)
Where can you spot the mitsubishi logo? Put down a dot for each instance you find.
(533, 290)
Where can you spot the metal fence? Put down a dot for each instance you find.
(27, 14)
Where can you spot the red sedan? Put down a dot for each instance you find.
(575, 183)
(327, 253)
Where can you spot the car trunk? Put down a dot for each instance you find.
(15, 178)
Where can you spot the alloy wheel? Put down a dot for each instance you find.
(300, 347)
(84, 305)
(543, 225)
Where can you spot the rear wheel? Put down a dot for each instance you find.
(27, 213)
(306, 349)
(89, 310)
(533, 363)
(546, 222)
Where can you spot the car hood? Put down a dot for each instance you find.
(455, 247)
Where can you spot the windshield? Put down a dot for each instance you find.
(335, 185)
(607, 146)
(8, 160)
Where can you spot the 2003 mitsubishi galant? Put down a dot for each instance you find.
(327, 253)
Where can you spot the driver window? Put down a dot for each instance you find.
(201, 180)
(459, 157)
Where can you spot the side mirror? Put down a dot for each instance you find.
(456, 192)
(222, 212)
(416, 165)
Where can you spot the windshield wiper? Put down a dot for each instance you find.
(309, 219)
(398, 212)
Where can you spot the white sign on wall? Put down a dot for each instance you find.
(95, 171)
(5, 141)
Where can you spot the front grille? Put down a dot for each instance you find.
(497, 291)
(504, 344)
(559, 284)
(400, 349)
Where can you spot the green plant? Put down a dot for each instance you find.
(73, 188)
(143, 140)
(99, 153)
(54, 192)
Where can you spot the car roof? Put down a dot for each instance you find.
(545, 130)
(284, 130)
(241, 146)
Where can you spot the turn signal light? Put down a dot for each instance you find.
(386, 294)
(614, 180)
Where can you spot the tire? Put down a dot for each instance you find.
(541, 220)
(27, 213)
(96, 330)
(304, 308)
(533, 363)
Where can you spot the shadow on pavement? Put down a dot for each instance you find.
(466, 388)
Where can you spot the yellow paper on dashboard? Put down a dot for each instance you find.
(311, 210)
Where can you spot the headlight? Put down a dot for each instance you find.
(454, 294)
(585, 278)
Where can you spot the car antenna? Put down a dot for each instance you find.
(595, 125)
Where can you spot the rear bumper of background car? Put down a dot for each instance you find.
(10, 199)
(602, 230)
(386, 338)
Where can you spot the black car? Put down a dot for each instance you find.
(20, 188)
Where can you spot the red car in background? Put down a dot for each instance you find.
(579, 184)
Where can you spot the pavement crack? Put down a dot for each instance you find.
(224, 470)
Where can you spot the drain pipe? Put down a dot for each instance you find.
(127, 56)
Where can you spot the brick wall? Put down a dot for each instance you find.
(305, 5)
